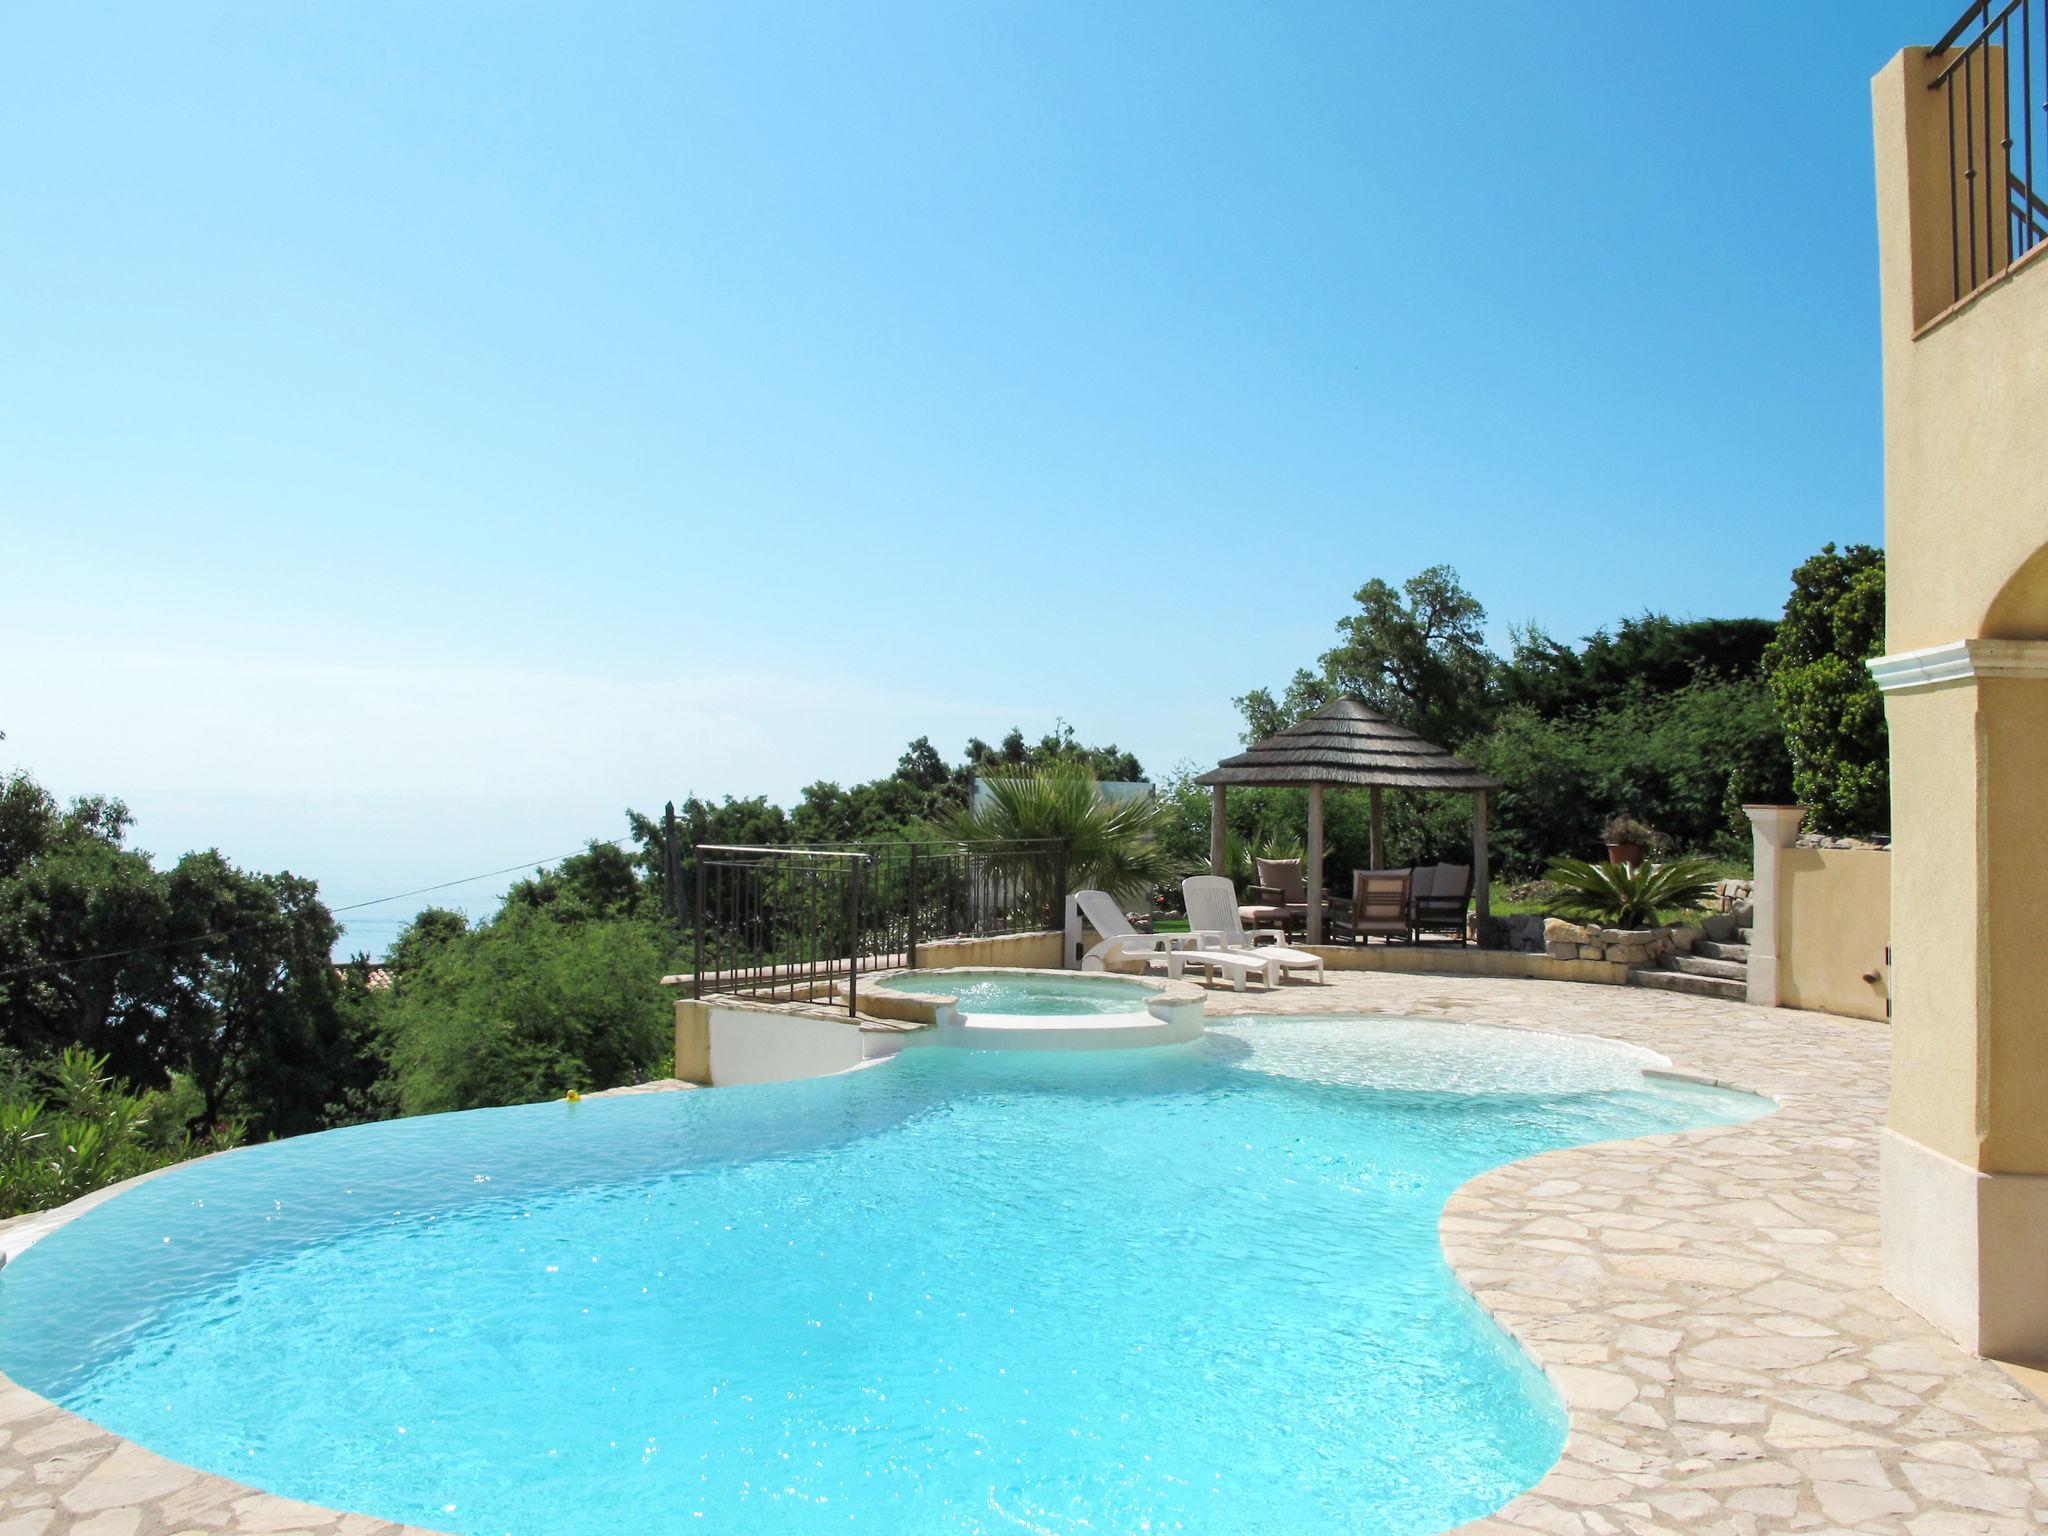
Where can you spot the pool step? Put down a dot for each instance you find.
(1690, 984)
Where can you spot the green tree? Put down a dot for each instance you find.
(1417, 654)
(251, 1005)
(81, 919)
(603, 881)
(1833, 714)
(1650, 654)
(427, 932)
(526, 1008)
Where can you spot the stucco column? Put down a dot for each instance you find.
(1963, 1163)
(1219, 833)
(1314, 872)
(1771, 828)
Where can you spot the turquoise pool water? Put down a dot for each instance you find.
(1189, 1289)
(1011, 992)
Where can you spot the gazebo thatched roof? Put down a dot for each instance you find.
(1348, 745)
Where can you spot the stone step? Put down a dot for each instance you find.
(1692, 986)
(1705, 965)
(1707, 949)
(1746, 935)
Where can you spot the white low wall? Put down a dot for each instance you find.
(759, 1045)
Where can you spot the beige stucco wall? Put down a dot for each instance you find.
(1964, 1172)
(693, 1040)
(1834, 920)
(1965, 452)
(1966, 535)
(2013, 722)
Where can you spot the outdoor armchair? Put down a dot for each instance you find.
(1442, 893)
(1280, 899)
(1379, 906)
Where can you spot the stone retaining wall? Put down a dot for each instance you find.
(1619, 946)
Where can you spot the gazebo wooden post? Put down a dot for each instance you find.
(1482, 875)
(1379, 840)
(1219, 833)
(1315, 864)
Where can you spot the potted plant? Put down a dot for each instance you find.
(1628, 840)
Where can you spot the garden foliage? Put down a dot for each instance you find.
(1832, 711)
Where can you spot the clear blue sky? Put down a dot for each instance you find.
(426, 430)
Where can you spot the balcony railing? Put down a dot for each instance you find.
(1994, 76)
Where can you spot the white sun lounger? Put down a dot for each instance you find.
(1120, 941)
(1212, 912)
(1235, 965)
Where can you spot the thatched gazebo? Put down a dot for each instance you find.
(1347, 745)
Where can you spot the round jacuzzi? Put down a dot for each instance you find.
(1019, 1009)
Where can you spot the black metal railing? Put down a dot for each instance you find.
(803, 923)
(1994, 82)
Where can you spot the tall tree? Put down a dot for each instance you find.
(251, 1001)
(1416, 653)
(1832, 711)
(82, 918)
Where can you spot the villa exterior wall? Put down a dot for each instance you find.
(1834, 925)
(1965, 1181)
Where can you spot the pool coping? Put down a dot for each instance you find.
(1672, 1288)
(924, 1008)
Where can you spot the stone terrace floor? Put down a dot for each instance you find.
(1708, 1304)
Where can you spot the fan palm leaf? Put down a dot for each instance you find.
(1625, 896)
(1111, 846)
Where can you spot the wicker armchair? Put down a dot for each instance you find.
(1280, 899)
(1442, 893)
(1378, 907)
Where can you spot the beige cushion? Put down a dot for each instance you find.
(1286, 877)
(1453, 880)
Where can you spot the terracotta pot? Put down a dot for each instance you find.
(1630, 854)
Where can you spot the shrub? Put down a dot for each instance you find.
(526, 1008)
(1626, 829)
(1833, 713)
(1617, 896)
(85, 1130)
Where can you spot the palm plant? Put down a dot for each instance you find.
(1621, 896)
(1241, 855)
(1111, 845)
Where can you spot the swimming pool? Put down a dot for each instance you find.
(1195, 1288)
(1043, 994)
